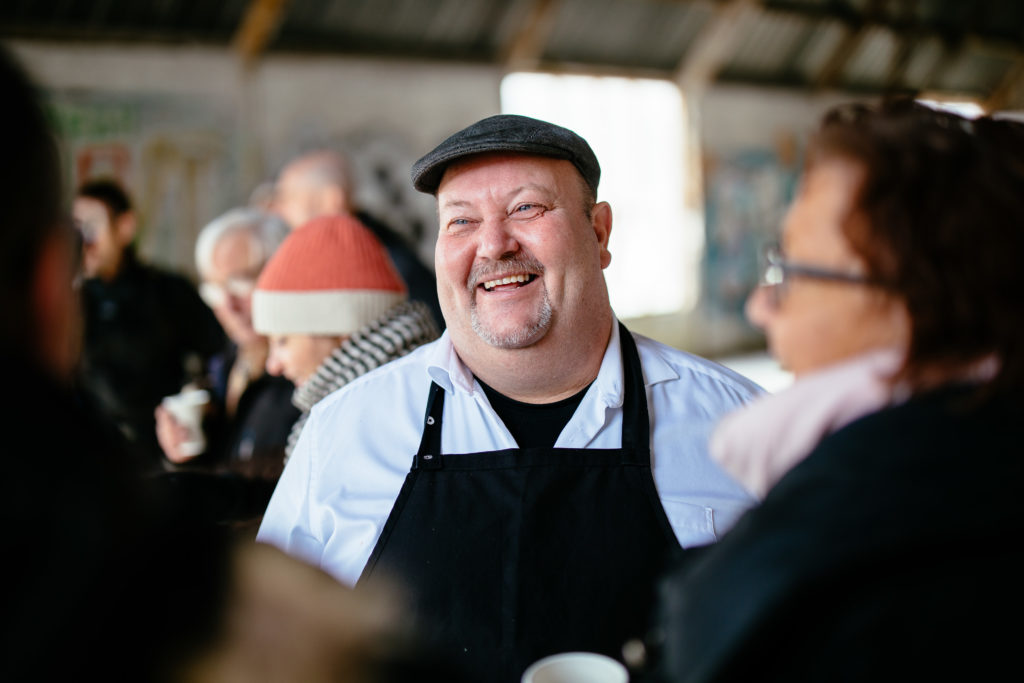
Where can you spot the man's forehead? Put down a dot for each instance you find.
(511, 173)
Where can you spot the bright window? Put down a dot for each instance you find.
(967, 109)
(637, 128)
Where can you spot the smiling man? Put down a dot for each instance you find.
(524, 478)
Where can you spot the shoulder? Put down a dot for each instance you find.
(384, 389)
(169, 285)
(931, 432)
(663, 363)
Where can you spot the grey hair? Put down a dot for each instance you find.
(266, 231)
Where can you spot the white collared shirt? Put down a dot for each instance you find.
(355, 450)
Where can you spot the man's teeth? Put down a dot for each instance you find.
(491, 284)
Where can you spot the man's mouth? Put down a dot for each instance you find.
(508, 281)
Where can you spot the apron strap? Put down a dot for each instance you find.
(636, 421)
(429, 454)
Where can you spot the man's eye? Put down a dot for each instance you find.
(527, 211)
(459, 224)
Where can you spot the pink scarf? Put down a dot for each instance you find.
(761, 442)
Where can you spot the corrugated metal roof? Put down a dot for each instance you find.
(959, 47)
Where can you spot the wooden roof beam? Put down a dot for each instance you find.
(856, 30)
(1009, 94)
(258, 27)
(526, 49)
(713, 46)
(907, 42)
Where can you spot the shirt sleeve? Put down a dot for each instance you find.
(287, 523)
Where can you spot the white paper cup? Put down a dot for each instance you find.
(576, 667)
(187, 409)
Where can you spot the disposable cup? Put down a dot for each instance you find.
(576, 667)
(187, 409)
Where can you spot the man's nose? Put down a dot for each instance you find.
(496, 239)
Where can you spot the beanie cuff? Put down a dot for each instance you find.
(331, 312)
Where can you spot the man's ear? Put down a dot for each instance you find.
(125, 227)
(601, 219)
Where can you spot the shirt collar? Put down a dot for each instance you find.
(446, 368)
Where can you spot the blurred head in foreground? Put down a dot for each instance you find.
(907, 233)
(38, 250)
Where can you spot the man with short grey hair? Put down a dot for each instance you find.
(562, 460)
(247, 426)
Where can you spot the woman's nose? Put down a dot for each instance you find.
(274, 365)
(760, 306)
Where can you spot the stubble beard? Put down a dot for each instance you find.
(517, 338)
(524, 335)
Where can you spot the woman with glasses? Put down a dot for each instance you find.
(888, 544)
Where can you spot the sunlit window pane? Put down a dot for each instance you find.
(637, 128)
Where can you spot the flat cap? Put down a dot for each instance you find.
(507, 133)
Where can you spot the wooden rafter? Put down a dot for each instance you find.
(526, 49)
(856, 30)
(906, 44)
(714, 45)
(259, 24)
(1009, 94)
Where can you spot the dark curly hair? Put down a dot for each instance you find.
(943, 206)
(109, 192)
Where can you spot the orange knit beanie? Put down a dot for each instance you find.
(330, 276)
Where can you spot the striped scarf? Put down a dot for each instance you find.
(393, 335)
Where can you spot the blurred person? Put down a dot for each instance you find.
(526, 477)
(146, 330)
(287, 621)
(334, 308)
(105, 578)
(319, 183)
(262, 196)
(247, 425)
(99, 585)
(886, 546)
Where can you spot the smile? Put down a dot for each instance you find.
(514, 280)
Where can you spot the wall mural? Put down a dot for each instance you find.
(746, 195)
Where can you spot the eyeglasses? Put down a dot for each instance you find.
(777, 272)
(216, 294)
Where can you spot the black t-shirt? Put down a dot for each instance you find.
(533, 424)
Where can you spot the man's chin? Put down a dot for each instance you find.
(507, 336)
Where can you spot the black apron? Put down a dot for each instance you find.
(517, 554)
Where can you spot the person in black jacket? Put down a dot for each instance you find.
(94, 564)
(146, 330)
(887, 544)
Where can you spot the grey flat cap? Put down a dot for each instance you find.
(507, 133)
